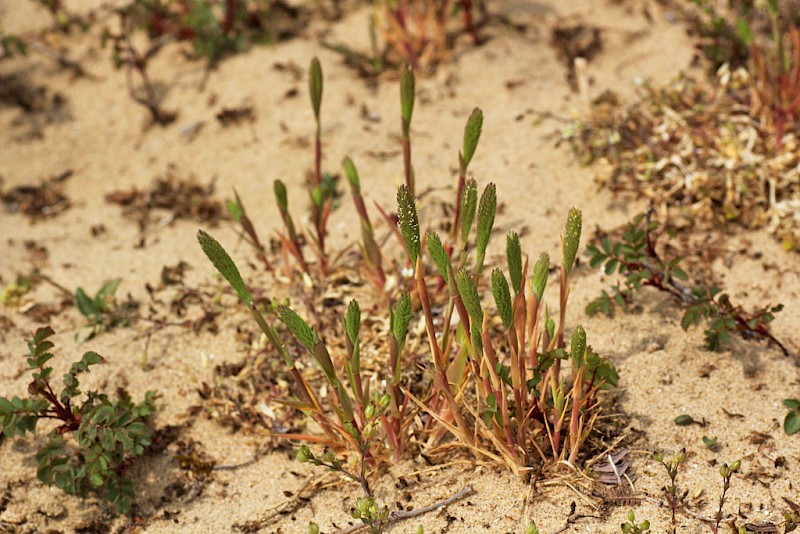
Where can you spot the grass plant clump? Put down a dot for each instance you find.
(96, 440)
(505, 380)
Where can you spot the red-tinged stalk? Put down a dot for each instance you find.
(499, 389)
(371, 250)
(459, 193)
(469, 25)
(438, 359)
(303, 390)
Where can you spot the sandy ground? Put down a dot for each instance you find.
(101, 137)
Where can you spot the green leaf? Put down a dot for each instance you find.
(298, 327)
(352, 321)
(224, 264)
(408, 222)
(352, 174)
(710, 442)
(540, 273)
(792, 404)
(578, 346)
(469, 295)
(407, 92)
(514, 261)
(235, 209)
(401, 317)
(437, 251)
(684, 420)
(6, 406)
(472, 133)
(791, 425)
(486, 212)
(281, 196)
(572, 238)
(315, 86)
(502, 297)
(85, 305)
(469, 203)
(108, 289)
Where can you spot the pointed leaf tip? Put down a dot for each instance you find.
(224, 264)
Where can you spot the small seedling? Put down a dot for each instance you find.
(686, 420)
(631, 527)
(97, 438)
(791, 424)
(368, 511)
(711, 443)
(726, 472)
(635, 257)
(126, 53)
(675, 499)
(12, 293)
(102, 309)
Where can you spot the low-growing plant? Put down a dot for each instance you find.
(13, 292)
(791, 423)
(635, 257)
(632, 527)
(726, 472)
(412, 32)
(96, 439)
(102, 310)
(125, 53)
(675, 499)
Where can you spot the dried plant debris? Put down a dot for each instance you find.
(613, 469)
(574, 40)
(236, 116)
(181, 198)
(38, 201)
(697, 149)
(37, 105)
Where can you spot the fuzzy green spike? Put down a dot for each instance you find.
(315, 86)
(352, 321)
(407, 92)
(540, 272)
(472, 133)
(514, 261)
(298, 327)
(225, 265)
(469, 202)
(469, 295)
(408, 221)
(437, 251)
(502, 297)
(281, 197)
(572, 238)
(352, 174)
(578, 346)
(401, 317)
(486, 212)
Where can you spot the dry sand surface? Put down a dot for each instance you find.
(100, 135)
